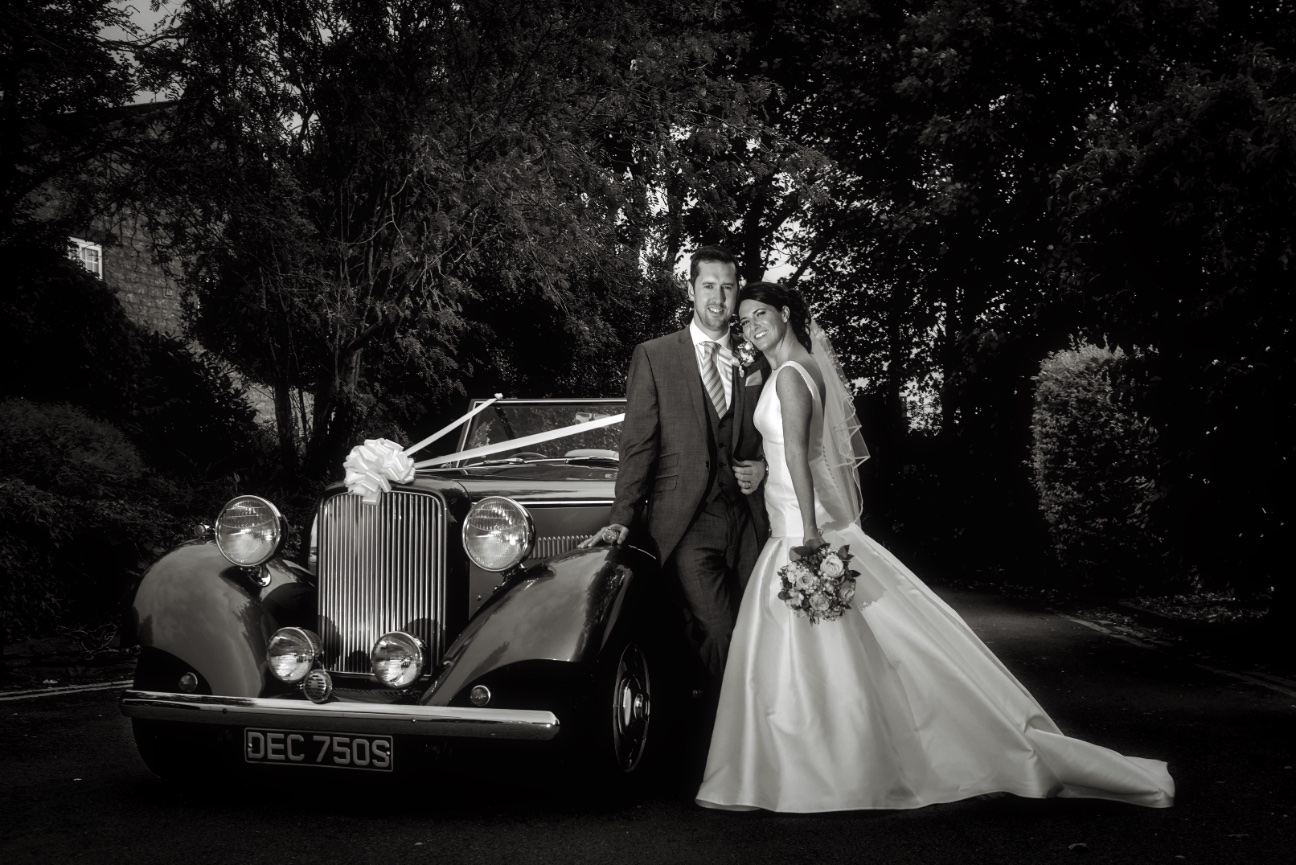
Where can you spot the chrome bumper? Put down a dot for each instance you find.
(444, 721)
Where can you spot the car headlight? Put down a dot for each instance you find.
(397, 659)
(498, 533)
(248, 530)
(292, 653)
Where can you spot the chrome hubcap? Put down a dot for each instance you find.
(631, 708)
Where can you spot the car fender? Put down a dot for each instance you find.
(216, 618)
(563, 610)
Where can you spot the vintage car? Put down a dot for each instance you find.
(458, 607)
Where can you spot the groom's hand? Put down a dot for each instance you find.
(613, 534)
(749, 474)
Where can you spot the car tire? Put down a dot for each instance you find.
(620, 728)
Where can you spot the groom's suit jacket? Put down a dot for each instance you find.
(668, 456)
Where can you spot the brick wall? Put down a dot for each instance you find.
(149, 296)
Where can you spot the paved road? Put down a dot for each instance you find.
(74, 790)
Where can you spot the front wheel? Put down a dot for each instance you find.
(631, 715)
(618, 727)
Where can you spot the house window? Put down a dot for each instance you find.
(89, 254)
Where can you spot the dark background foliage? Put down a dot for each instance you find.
(398, 205)
(115, 441)
(80, 515)
(65, 338)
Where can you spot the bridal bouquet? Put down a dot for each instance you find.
(818, 583)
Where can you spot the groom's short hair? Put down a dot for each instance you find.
(710, 253)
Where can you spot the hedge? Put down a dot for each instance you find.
(1094, 468)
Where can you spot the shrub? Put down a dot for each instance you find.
(80, 517)
(189, 416)
(63, 450)
(1094, 468)
(33, 527)
(64, 338)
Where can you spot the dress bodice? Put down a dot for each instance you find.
(780, 497)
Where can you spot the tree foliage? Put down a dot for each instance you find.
(54, 59)
(386, 204)
(365, 194)
(1180, 220)
(931, 246)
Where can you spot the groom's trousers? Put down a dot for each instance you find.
(711, 564)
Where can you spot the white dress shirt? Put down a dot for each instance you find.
(725, 353)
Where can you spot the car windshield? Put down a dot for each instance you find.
(505, 420)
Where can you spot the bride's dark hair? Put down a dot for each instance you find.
(779, 296)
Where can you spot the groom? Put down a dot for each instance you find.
(690, 458)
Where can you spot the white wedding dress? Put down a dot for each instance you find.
(895, 705)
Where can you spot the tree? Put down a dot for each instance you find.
(931, 251)
(1180, 223)
(362, 195)
(55, 60)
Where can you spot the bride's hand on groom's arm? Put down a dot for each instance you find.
(749, 474)
(613, 534)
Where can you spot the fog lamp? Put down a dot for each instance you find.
(318, 686)
(498, 533)
(479, 695)
(398, 659)
(248, 530)
(292, 653)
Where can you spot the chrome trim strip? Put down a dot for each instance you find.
(545, 503)
(276, 713)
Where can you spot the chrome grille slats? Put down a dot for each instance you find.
(381, 569)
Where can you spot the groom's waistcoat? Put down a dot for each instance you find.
(723, 483)
(676, 450)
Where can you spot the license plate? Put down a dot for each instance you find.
(304, 748)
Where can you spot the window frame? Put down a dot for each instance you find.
(77, 247)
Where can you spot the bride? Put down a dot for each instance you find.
(897, 704)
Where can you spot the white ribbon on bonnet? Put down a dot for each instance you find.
(372, 467)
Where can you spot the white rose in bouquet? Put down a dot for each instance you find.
(819, 601)
(832, 566)
(846, 592)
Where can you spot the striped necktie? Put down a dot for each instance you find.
(711, 376)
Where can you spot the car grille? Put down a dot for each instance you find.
(381, 569)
